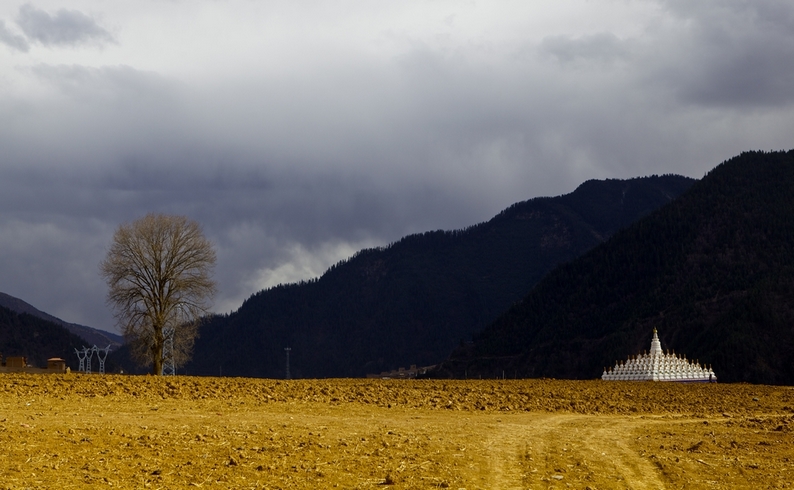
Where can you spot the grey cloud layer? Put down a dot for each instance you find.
(284, 166)
(601, 47)
(119, 85)
(12, 40)
(737, 53)
(65, 27)
(727, 54)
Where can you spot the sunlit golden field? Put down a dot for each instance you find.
(80, 431)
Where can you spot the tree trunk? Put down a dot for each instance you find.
(157, 355)
(157, 366)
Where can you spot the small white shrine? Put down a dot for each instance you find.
(658, 366)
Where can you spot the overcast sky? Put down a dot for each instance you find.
(298, 132)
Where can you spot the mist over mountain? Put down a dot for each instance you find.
(713, 271)
(413, 301)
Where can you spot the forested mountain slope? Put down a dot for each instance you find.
(713, 272)
(26, 335)
(413, 301)
(93, 336)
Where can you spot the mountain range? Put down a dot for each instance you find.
(415, 300)
(551, 287)
(713, 271)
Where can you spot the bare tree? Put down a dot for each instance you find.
(158, 271)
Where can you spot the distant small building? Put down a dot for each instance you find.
(658, 366)
(56, 365)
(19, 364)
(16, 362)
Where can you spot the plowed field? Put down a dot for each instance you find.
(80, 431)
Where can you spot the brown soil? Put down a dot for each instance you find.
(79, 431)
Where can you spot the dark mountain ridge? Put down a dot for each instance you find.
(413, 301)
(93, 336)
(713, 271)
(22, 334)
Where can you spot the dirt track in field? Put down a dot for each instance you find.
(76, 431)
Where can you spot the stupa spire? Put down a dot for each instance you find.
(656, 346)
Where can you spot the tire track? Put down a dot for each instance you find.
(554, 451)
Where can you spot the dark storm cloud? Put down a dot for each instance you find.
(271, 182)
(12, 40)
(64, 28)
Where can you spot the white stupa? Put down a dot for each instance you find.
(658, 366)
